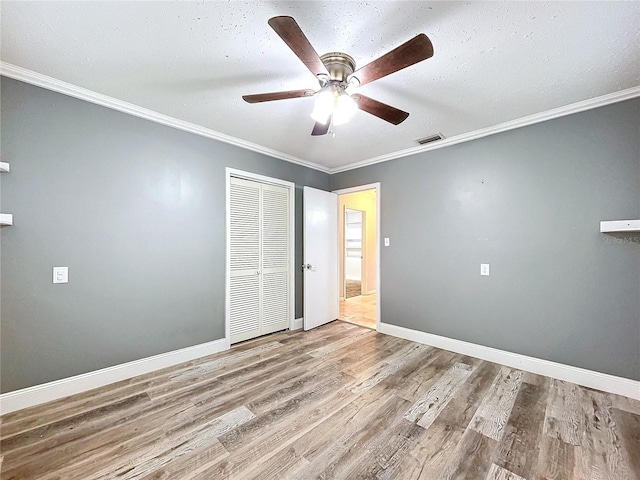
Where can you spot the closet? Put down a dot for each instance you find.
(259, 246)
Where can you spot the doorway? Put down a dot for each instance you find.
(359, 255)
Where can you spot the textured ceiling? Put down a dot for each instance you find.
(494, 62)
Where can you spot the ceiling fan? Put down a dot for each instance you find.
(336, 73)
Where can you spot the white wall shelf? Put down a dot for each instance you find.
(620, 226)
(6, 219)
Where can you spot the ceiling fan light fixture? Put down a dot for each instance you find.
(336, 101)
(345, 108)
(323, 106)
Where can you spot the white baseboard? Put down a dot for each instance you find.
(28, 397)
(580, 376)
(297, 323)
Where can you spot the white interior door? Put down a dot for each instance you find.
(275, 258)
(245, 301)
(320, 257)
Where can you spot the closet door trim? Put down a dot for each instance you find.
(232, 172)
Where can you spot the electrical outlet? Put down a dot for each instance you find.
(60, 274)
(484, 269)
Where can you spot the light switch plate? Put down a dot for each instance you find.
(60, 274)
(484, 269)
(386, 241)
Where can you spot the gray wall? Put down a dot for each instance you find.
(136, 210)
(529, 203)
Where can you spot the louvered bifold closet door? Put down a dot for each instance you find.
(275, 258)
(245, 275)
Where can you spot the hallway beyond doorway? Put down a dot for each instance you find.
(361, 310)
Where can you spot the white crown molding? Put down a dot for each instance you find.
(589, 104)
(46, 392)
(580, 376)
(50, 83)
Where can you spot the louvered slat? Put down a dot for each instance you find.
(275, 227)
(244, 307)
(275, 310)
(245, 226)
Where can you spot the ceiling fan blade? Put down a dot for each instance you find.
(268, 97)
(409, 53)
(293, 36)
(321, 128)
(381, 110)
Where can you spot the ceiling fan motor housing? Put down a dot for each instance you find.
(340, 65)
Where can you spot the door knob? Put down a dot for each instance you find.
(308, 266)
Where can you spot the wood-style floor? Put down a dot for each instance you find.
(339, 402)
(361, 310)
(352, 288)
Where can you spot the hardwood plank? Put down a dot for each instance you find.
(54, 455)
(499, 473)
(519, 448)
(329, 403)
(59, 410)
(216, 427)
(304, 384)
(601, 454)
(272, 437)
(264, 426)
(556, 460)
(423, 378)
(258, 394)
(340, 456)
(385, 452)
(472, 457)
(88, 458)
(187, 465)
(627, 425)
(214, 365)
(375, 374)
(381, 348)
(282, 465)
(564, 415)
(626, 404)
(494, 411)
(201, 441)
(432, 452)
(429, 406)
(535, 379)
(345, 342)
(347, 420)
(182, 461)
(52, 434)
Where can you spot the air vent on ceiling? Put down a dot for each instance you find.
(431, 138)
